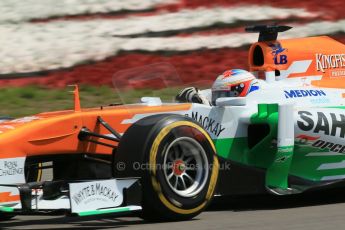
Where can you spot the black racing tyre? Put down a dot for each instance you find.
(5, 216)
(178, 166)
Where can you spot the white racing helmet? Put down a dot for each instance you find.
(234, 83)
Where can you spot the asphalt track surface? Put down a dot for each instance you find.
(315, 211)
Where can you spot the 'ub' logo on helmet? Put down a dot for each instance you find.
(277, 49)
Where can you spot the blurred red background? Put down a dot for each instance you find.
(59, 43)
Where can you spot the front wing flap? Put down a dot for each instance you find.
(81, 198)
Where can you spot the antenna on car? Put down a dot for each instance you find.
(267, 32)
(77, 107)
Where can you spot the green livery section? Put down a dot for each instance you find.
(102, 212)
(6, 209)
(301, 159)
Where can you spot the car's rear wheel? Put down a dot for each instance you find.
(178, 165)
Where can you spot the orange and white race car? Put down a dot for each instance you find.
(165, 159)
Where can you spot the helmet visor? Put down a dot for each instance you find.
(235, 91)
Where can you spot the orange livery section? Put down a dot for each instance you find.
(57, 132)
(301, 57)
(7, 197)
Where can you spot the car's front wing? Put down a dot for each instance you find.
(81, 198)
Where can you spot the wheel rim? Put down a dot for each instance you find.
(186, 166)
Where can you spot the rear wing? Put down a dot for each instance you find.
(267, 32)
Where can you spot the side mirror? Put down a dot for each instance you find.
(231, 101)
(151, 101)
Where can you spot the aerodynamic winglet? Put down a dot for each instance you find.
(77, 107)
(267, 32)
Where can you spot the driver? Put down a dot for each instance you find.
(231, 83)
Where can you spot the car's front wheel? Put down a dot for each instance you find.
(179, 168)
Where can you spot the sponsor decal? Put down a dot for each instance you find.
(208, 123)
(329, 61)
(94, 191)
(321, 123)
(304, 93)
(11, 172)
(285, 149)
(12, 169)
(277, 50)
(94, 195)
(320, 100)
(327, 145)
(338, 73)
(305, 139)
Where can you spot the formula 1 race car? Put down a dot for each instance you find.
(165, 159)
